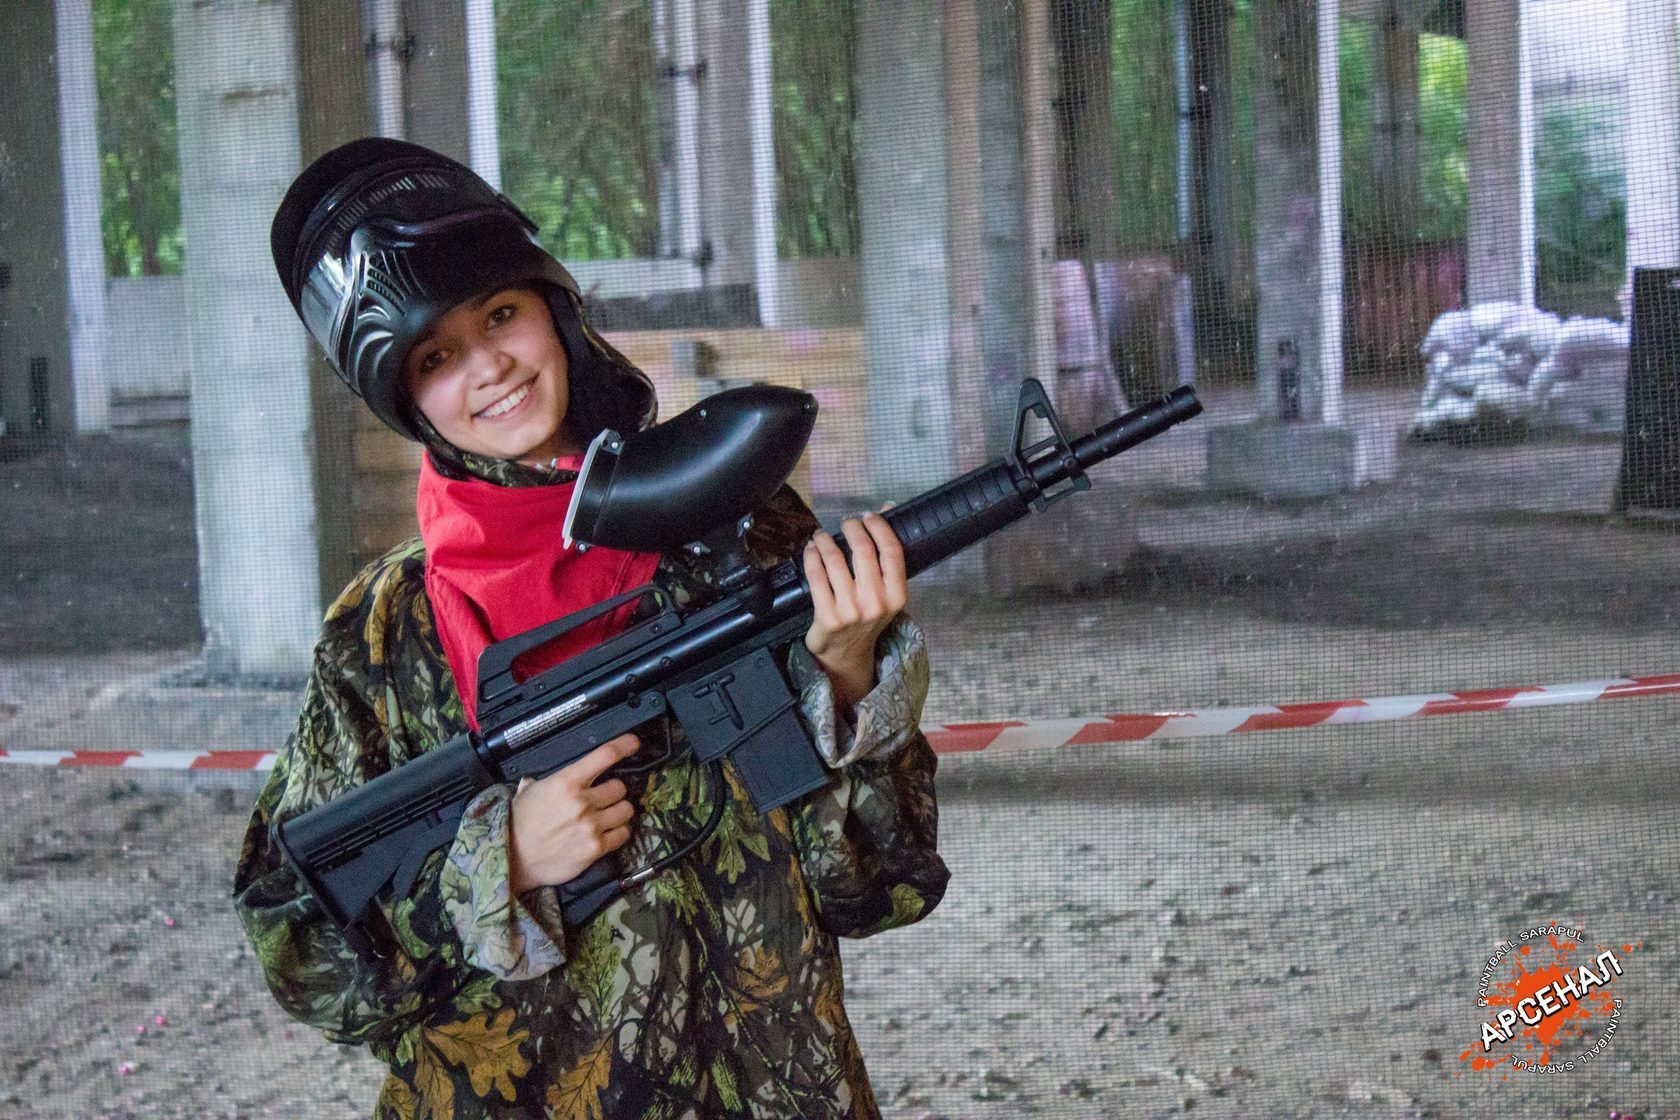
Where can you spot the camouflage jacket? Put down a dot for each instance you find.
(714, 990)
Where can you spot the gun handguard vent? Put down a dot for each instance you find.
(947, 519)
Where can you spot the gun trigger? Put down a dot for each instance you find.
(361, 942)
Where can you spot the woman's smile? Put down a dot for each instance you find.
(507, 404)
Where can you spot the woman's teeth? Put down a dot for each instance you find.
(508, 402)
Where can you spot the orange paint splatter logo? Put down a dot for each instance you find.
(1550, 1004)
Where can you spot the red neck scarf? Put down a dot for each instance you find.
(495, 567)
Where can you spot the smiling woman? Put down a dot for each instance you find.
(492, 378)
(716, 982)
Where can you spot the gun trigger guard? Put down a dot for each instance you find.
(1034, 401)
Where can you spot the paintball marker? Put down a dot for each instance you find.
(713, 666)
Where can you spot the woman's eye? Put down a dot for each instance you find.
(431, 361)
(502, 314)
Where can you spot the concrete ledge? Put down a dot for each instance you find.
(118, 703)
(1280, 462)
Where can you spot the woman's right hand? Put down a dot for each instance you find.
(563, 823)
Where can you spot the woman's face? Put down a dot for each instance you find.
(491, 377)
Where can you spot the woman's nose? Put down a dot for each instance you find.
(490, 364)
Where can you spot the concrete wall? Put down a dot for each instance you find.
(821, 292)
(146, 340)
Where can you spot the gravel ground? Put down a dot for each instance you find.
(1288, 924)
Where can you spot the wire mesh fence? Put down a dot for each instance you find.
(1418, 262)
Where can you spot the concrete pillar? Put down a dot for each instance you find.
(1006, 326)
(662, 21)
(440, 59)
(1216, 256)
(435, 81)
(1652, 143)
(36, 391)
(676, 35)
(723, 134)
(333, 108)
(387, 50)
(762, 115)
(1184, 133)
(1298, 449)
(970, 400)
(1501, 160)
(901, 176)
(1038, 171)
(1093, 533)
(1287, 213)
(1328, 384)
(1082, 31)
(84, 242)
(483, 125)
(252, 439)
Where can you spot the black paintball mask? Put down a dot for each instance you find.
(378, 239)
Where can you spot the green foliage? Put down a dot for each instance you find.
(584, 136)
(1580, 205)
(814, 48)
(1444, 138)
(1146, 124)
(140, 173)
(1443, 144)
(1357, 80)
(579, 91)
(1243, 63)
(578, 99)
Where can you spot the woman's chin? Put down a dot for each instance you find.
(523, 443)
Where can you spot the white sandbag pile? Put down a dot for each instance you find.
(1500, 366)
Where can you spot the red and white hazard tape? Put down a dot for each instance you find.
(1010, 735)
(953, 738)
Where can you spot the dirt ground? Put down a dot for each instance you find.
(1289, 924)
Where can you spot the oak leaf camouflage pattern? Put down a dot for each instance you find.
(714, 990)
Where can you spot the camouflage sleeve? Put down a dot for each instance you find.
(868, 843)
(884, 720)
(512, 938)
(456, 919)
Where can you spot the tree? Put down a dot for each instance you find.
(577, 97)
(814, 51)
(1580, 208)
(140, 175)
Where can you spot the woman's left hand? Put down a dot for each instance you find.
(852, 606)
